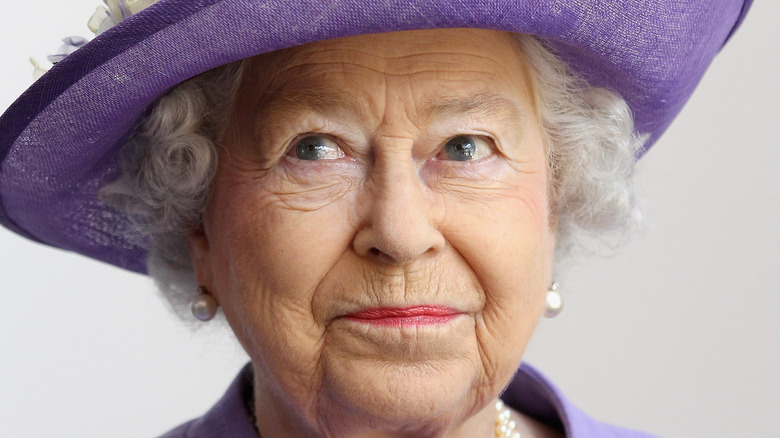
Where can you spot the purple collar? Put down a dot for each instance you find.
(529, 392)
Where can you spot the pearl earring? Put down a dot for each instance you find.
(204, 306)
(554, 302)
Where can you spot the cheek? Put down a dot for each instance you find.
(507, 246)
(276, 231)
(269, 253)
(502, 229)
(506, 240)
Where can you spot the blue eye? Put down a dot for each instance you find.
(317, 147)
(465, 148)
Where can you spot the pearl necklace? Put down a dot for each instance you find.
(505, 427)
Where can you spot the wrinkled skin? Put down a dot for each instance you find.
(383, 214)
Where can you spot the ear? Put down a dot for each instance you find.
(198, 245)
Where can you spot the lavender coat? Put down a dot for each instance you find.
(529, 392)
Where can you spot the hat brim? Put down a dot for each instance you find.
(59, 140)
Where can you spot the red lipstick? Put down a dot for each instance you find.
(400, 316)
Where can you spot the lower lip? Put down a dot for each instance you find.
(407, 316)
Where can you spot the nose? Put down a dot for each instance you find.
(398, 227)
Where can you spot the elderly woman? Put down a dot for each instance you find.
(374, 204)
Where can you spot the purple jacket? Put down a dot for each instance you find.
(529, 392)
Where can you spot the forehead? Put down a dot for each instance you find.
(430, 66)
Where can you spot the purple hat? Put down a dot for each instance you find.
(59, 140)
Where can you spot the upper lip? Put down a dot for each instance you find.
(403, 312)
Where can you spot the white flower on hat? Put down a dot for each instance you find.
(69, 45)
(103, 19)
(115, 11)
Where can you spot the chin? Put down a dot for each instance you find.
(404, 396)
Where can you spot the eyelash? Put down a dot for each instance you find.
(481, 145)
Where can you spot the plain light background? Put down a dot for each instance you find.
(677, 335)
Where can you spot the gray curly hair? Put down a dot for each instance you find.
(170, 161)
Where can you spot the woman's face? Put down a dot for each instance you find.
(378, 234)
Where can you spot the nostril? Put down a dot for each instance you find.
(374, 252)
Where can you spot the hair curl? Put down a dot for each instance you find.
(591, 152)
(170, 161)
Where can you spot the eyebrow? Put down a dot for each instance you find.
(488, 104)
(323, 100)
